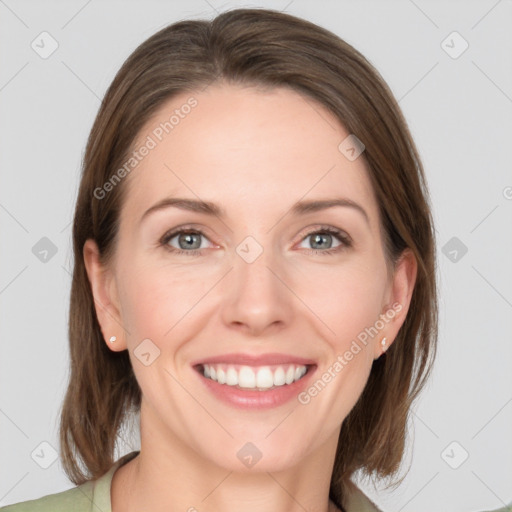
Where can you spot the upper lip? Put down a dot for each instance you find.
(256, 360)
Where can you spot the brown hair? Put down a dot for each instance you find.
(253, 47)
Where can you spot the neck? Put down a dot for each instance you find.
(169, 475)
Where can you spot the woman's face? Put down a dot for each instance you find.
(262, 290)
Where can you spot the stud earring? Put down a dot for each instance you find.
(112, 339)
(383, 343)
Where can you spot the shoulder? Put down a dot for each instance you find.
(91, 495)
(357, 501)
(77, 499)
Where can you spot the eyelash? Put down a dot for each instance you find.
(344, 239)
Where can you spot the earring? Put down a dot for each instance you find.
(383, 343)
(112, 339)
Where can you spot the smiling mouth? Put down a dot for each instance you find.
(254, 378)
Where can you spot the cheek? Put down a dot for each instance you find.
(350, 306)
(347, 298)
(140, 306)
(153, 300)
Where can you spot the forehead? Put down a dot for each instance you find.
(259, 150)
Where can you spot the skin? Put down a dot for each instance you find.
(254, 153)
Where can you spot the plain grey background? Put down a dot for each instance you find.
(458, 103)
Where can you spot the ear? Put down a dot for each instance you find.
(105, 295)
(399, 296)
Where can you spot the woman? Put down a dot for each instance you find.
(266, 370)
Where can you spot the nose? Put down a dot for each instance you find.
(257, 300)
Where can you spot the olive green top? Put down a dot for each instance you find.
(94, 496)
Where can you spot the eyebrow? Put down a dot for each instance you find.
(208, 208)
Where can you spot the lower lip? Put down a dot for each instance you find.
(257, 399)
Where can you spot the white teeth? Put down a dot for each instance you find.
(299, 372)
(264, 378)
(231, 377)
(248, 377)
(279, 377)
(221, 376)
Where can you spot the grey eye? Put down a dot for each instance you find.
(187, 240)
(321, 241)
